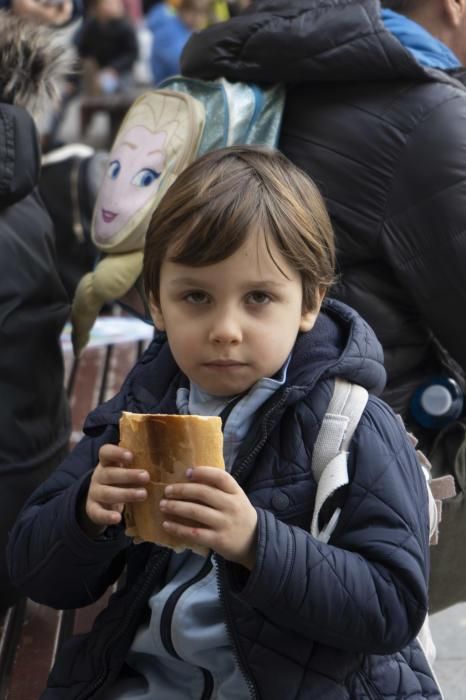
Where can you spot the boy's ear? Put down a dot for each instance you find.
(308, 318)
(156, 314)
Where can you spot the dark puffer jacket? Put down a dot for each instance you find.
(33, 309)
(311, 620)
(385, 139)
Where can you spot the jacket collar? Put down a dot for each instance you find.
(426, 49)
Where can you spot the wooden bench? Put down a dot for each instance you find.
(31, 634)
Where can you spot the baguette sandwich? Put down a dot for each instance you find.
(166, 446)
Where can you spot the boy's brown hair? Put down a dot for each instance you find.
(209, 211)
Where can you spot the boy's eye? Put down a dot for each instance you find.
(196, 298)
(145, 177)
(259, 298)
(113, 169)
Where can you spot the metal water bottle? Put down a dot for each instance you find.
(437, 402)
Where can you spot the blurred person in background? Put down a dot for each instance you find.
(54, 12)
(171, 29)
(33, 304)
(108, 47)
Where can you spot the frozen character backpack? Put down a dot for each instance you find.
(162, 133)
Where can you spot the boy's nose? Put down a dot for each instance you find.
(225, 329)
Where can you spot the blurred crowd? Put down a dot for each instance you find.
(120, 47)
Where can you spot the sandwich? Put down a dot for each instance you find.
(166, 446)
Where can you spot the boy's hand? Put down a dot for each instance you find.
(112, 485)
(227, 520)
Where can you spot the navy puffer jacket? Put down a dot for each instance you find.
(385, 140)
(312, 620)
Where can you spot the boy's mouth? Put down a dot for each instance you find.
(108, 216)
(225, 363)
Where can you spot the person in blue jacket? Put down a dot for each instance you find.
(238, 256)
(171, 30)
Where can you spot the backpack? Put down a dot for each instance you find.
(330, 470)
(163, 132)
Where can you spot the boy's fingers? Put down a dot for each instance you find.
(197, 513)
(103, 516)
(118, 476)
(211, 476)
(111, 455)
(197, 493)
(112, 495)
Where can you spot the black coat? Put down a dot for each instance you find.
(385, 139)
(34, 415)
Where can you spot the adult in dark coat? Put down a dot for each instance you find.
(33, 305)
(376, 115)
(385, 138)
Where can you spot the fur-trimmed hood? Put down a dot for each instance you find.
(33, 60)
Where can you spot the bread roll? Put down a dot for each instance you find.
(166, 445)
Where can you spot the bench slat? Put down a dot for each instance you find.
(35, 650)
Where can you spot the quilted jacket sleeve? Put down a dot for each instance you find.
(366, 590)
(50, 558)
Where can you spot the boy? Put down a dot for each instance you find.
(238, 256)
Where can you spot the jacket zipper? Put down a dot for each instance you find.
(166, 620)
(148, 584)
(237, 652)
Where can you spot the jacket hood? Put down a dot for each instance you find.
(295, 41)
(33, 59)
(340, 344)
(19, 154)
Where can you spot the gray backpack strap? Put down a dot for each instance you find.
(329, 457)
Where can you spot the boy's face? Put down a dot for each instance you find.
(234, 322)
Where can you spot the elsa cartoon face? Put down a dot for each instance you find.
(132, 179)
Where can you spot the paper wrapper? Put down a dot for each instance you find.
(166, 446)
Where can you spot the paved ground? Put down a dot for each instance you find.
(449, 632)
